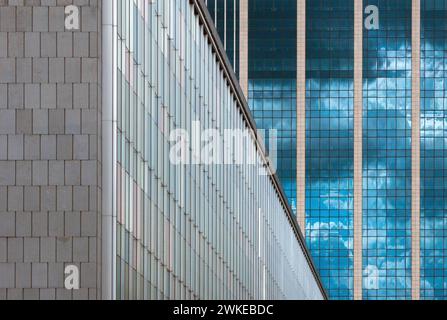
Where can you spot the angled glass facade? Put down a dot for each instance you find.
(329, 142)
(272, 80)
(433, 149)
(192, 231)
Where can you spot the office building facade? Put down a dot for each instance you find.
(369, 135)
(89, 191)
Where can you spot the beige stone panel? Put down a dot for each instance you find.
(358, 147)
(415, 150)
(301, 115)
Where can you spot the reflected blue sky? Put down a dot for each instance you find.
(433, 150)
(329, 142)
(272, 80)
(387, 151)
(386, 136)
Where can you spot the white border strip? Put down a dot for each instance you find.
(109, 127)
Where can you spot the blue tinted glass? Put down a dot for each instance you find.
(329, 142)
(225, 15)
(272, 80)
(387, 153)
(433, 150)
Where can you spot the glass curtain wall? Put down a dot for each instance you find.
(329, 142)
(225, 14)
(433, 149)
(387, 153)
(272, 80)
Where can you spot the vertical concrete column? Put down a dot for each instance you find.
(301, 115)
(415, 150)
(358, 146)
(243, 46)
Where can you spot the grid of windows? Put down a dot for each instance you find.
(191, 231)
(329, 142)
(387, 153)
(272, 80)
(387, 72)
(433, 149)
(225, 14)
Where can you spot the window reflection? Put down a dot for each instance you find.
(387, 152)
(433, 150)
(329, 142)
